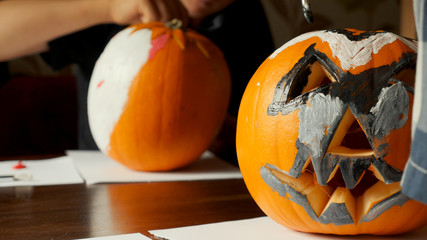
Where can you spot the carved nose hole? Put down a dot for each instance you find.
(350, 135)
(355, 137)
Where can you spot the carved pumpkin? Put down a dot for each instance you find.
(157, 96)
(323, 133)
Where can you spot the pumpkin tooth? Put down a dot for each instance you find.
(378, 199)
(302, 190)
(352, 180)
(353, 164)
(340, 209)
(328, 168)
(353, 169)
(384, 172)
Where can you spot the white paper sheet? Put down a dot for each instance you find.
(53, 171)
(266, 229)
(95, 167)
(132, 236)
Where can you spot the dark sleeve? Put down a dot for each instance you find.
(82, 48)
(4, 73)
(246, 40)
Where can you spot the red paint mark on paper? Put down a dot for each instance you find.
(19, 165)
(100, 83)
(157, 44)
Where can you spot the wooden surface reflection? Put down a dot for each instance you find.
(78, 211)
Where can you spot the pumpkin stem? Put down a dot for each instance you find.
(174, 24)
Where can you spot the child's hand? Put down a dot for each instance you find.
(135, 11)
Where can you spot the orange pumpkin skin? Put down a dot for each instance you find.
(273, 132)
(173, 103)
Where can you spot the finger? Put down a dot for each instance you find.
(182, 13)
(149, 11)
(175, 9)
(166, 11)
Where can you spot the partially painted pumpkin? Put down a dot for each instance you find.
(158, 96)
(323, 133)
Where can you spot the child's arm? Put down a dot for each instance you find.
(28, 25)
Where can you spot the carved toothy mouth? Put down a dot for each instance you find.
(348, 186)
(326, 205)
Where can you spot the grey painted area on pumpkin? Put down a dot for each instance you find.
(321, 114)
(300, 159)
(391, 110)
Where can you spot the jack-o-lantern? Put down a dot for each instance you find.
(323, 133)
(158, 96)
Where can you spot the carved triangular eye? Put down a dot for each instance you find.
(312, 76)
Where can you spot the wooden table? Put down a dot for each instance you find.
(80, 211)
